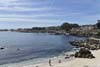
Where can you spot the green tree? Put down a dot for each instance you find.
(98, 33)
(66, 26)
(98, 24)
(74, 25)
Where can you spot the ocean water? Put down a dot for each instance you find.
(23, 46)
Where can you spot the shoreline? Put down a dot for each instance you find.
(43, 61)
(71, 62)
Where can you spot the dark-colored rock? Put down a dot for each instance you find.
(90, 44)
(1, 48)
(84, 53)
(18, 49)
(67, 57)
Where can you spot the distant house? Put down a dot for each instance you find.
(88, 27)
(85, 28)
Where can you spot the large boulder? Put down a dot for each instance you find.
(84, 53)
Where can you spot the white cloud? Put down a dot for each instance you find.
(28, 20)
(34, 15)
(8, 1)
(23, 9)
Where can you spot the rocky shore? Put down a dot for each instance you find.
(85, 47)
(90, 43)
(84, 53)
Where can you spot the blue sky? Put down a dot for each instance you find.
(29, 13)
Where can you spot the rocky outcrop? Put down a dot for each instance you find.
(1, 48)
(90, 44)
(84, 53)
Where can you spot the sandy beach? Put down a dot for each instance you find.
(71, 62)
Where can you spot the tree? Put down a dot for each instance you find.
(38, 28)
(98, 24)
(98, 34)
(74, 25)
(66, 26)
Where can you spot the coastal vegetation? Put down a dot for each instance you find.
(98, 24)
(98, 34)
(67, 27)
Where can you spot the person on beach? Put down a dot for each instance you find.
(36, 66)
(59, 61)
(50, 62)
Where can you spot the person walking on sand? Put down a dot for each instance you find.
(50, 62)
(36, 66)
(59, 61)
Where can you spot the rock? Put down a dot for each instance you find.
(92, 45)
(18, 49)
(72, 55)
(84, 53)
(67, 57)
(1, 48)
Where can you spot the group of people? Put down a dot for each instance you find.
(50, 62)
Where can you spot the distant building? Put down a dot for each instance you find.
(88, 27)
(85, 30)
